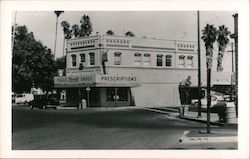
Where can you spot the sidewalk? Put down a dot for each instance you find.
(192, 114)
(224, 138)
(214, 118)
(219, 139)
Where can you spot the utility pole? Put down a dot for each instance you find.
(235, 37)
(199, 66)
(232, 52)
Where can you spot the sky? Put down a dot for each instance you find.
(172, 25)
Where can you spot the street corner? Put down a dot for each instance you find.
(197, 137)
(170, 112)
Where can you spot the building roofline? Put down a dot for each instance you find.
(119, 36)
(148, 38)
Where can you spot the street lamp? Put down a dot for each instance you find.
(235, 37)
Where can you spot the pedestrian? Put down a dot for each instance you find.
(184, 90)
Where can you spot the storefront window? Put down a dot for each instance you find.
(92, 58)
(168, 60)
(122, 94)
(73, 57)
(159, 60)
(110, 94)
(117, 58)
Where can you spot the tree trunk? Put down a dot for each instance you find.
(208, 98)
(209, 54)
(220, 58)
(63, 46)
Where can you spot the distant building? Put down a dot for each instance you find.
(123, 71)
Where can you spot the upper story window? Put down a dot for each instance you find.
(147, 60)
(137, 61)
(168, 60)
(190, 61)
(159, 60)
(181, 61)
(73, 59)
(91, 58)
(83, 58)
(117, 58)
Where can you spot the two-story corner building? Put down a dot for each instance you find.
(122, 71)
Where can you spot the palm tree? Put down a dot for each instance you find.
(86, 26)
(209, 34)
(110, 32)
(67, 32)
(222, 41)
(58, 13)
(76, 30)
(130, 34)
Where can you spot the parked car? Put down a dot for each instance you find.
(229, 98)
(38, 102)
(44, 102)
(214, 100)
(24, 98)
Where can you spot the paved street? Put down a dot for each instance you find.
(97, 128)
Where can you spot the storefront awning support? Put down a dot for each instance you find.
(116, 96)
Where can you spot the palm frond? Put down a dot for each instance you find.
(58, 13)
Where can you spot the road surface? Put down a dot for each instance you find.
(96, 128)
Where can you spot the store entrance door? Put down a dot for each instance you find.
(91, 95)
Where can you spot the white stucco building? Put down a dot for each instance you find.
(121, 71)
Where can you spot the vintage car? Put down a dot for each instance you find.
(214, 100)
(44, 102)
(23, 98)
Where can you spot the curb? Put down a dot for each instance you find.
(62, 108)
(202, 121)
(212, 123)
(196, 140)
(189, 118)
(163, 112)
